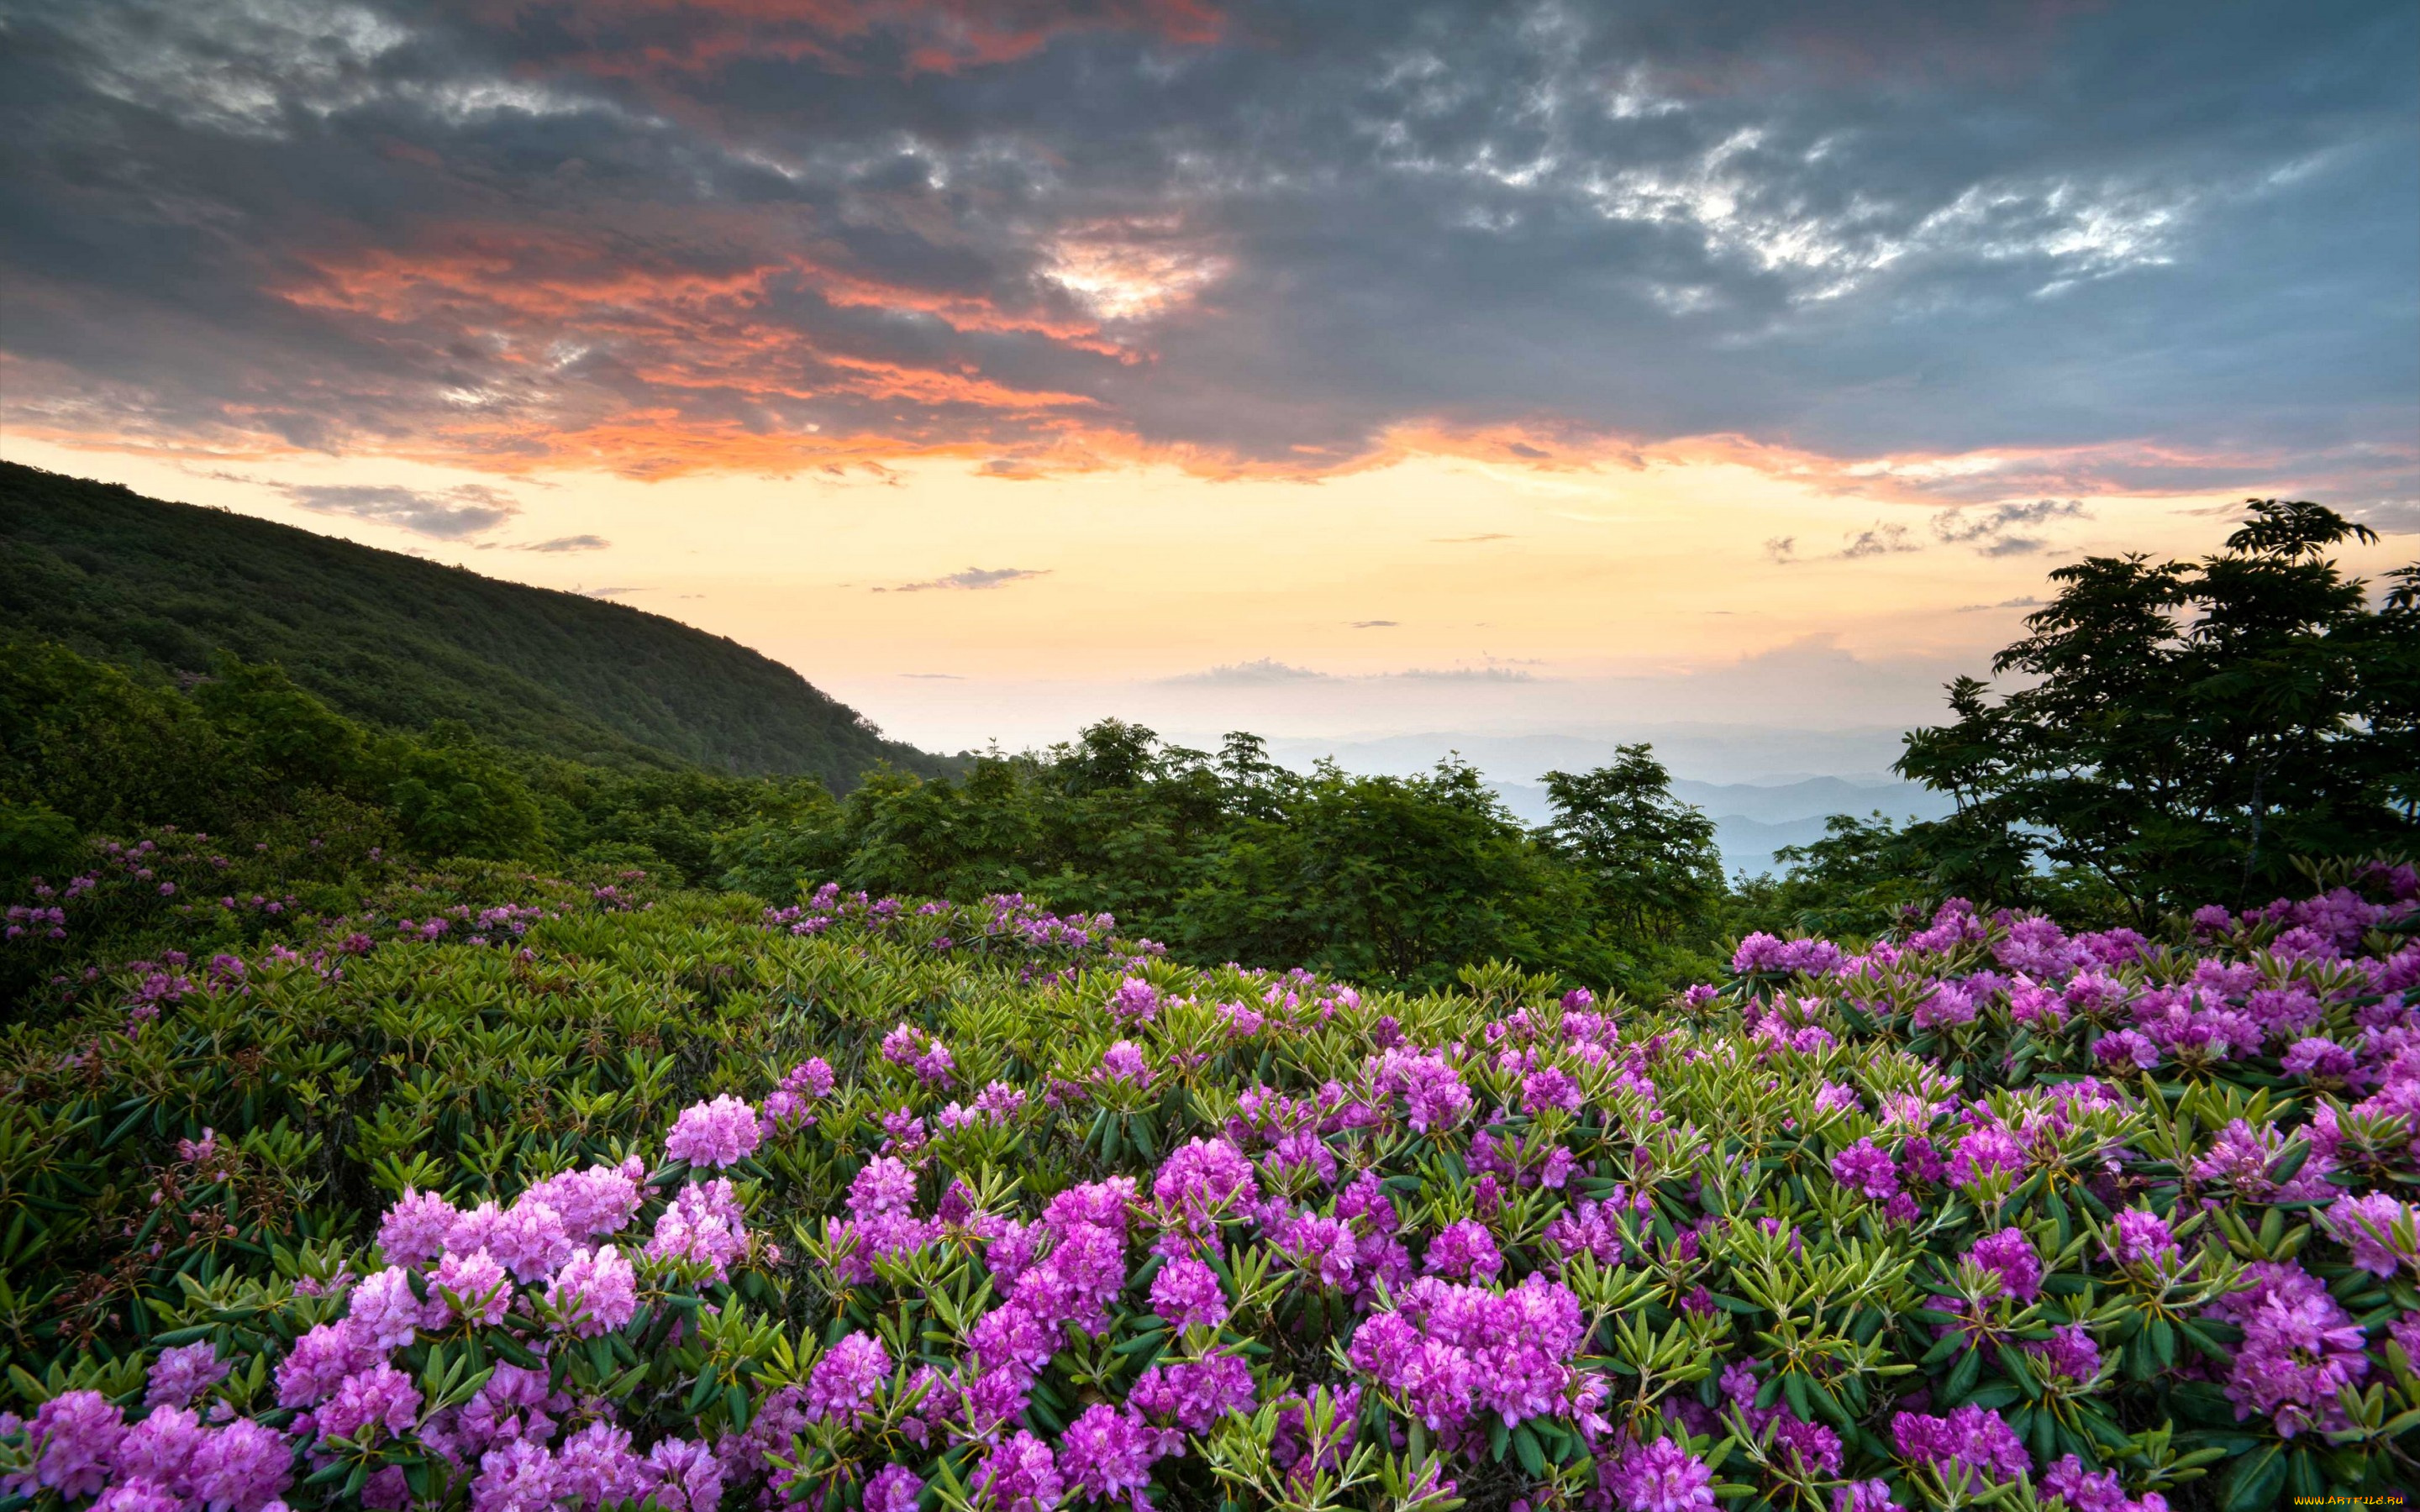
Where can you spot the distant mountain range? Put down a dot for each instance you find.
(1770, 801)
(1760, 755)
(401, 642)
(1753, 821)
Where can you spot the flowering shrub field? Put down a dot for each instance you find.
(876, 1205)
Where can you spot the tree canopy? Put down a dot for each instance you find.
(2185, 731)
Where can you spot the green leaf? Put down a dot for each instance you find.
(1961, 1376)
(2254, 1484)
(1525, 1444)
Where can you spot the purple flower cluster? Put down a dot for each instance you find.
(1762, 954)
(1189, 1294)
(1810, 1448)
(2300, 1348)
(703, 1228)
(1192, 1394)
(1661, 1476)
(1451, 1353)
(2088, 1490)
(2382, 1231)
(78, 1445)
(1434, 1098)
(718, 1133)
(1136, 1001)
(1971, 1444)
(2069, 1353)
(922, 1052)
(1866, 1168)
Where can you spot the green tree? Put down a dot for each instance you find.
(34, 840)
(1386, 878)
(1651, 859)
(455, 798)
(2186, 730)
(279, 731)
(89, 742)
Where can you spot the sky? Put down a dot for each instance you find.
(1725, 375)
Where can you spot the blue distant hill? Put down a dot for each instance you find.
(1753, 821)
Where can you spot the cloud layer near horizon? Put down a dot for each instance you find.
(1993, 252)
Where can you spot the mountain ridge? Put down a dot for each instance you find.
(403, 642)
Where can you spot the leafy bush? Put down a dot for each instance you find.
(455, 799)
(1401, 880)
(523, 1195)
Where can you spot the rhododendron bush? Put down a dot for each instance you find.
(879, 1205)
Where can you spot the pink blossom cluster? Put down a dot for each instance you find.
(79, 1445)
(2300, 1348)
(920, 1051)
(1972, 1445)
(787, 1107)
(719, 1133)
(1763, 954)
(1435, 1096)
(1451, 1353)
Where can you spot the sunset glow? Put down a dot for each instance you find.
(1001, 365)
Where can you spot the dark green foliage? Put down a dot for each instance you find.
(1869, 875)
(1649, 858)
(401, 643)
(94, 744)
(452, 799)
(34, 838)
(1390, 879)
(1234, 858)
(663, 821)
(247, 766)
(2186, 730)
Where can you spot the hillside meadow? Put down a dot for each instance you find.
(517, 1193)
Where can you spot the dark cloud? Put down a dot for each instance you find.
(2396, 517)
(567, 543)
(463, 511)
(2029, 601)
(1374, 625)
(729, 234)
(1883, 538)
(1993, 531)
(972, 578)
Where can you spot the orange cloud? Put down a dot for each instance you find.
(580, 347)
(718, 346)
(543, 274)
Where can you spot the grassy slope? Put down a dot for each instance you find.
(401, 642)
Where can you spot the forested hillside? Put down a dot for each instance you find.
(402, 643)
